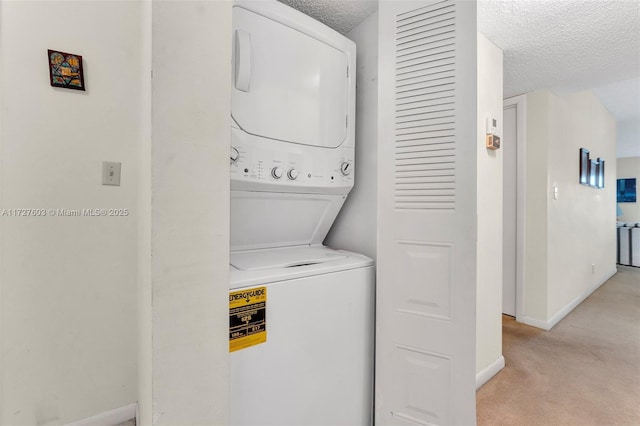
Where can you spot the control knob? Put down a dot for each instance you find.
(292, 174)
(235, 155)
(276, 172)
(345, 168)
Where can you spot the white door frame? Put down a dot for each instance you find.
(520, 104)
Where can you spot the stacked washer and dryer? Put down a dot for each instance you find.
(307, 351)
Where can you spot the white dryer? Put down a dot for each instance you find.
(301, 314)
(293, 126)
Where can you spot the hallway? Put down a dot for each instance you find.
(585, 371)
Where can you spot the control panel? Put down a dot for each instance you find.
(264, 164)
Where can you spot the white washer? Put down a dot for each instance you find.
(316, 367)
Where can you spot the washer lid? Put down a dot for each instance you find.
(288, 85)
(285, 257)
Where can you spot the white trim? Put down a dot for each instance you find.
(533, 322)
(520, 103)
(109, 418)
(626, 267)
(563, 312)
(487, 374)
(557, 317)
(1, 265)
(145, 214)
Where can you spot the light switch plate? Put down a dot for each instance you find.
(111, 173)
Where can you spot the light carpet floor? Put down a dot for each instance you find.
(584, 371)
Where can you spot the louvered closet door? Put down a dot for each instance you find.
(425, 354)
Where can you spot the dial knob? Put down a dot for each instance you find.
(235, 155)
(345, 168)
(292, 174)
(276, 172)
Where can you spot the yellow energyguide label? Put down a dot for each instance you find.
(247, 318)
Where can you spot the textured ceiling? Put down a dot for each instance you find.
(341, 15)
(570, 45)
(622, 98)
(564, 45)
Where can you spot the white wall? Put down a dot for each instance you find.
(628, 131)
(489, 187)
(355, 227)
(69, 284)
(629, 168)
(190, 228)
(580, 224)
(536, 169)
(582, 219)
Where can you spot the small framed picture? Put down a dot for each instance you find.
(584, 166)
(593, 173)
(65, 70)
(600, 173)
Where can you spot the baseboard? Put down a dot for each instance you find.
(557, 317)
(627, 267)
(563, 312)
(109, 418)
(486, 374)
(533, 322)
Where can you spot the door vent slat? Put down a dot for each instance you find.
(425, 108)
(417, 14)
(436, 77)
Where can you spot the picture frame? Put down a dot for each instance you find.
(593, 173)
(584, 166)
(65, 70)
(626, 191)
(600, 179)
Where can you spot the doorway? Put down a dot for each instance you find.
(514, 187)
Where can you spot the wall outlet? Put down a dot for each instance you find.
(593, 268)
(111, 173)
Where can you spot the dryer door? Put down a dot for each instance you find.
(287, 84)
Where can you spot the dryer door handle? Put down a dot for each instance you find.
(243, 60)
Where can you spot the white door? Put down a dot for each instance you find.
(426, 283)
(509, 247)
